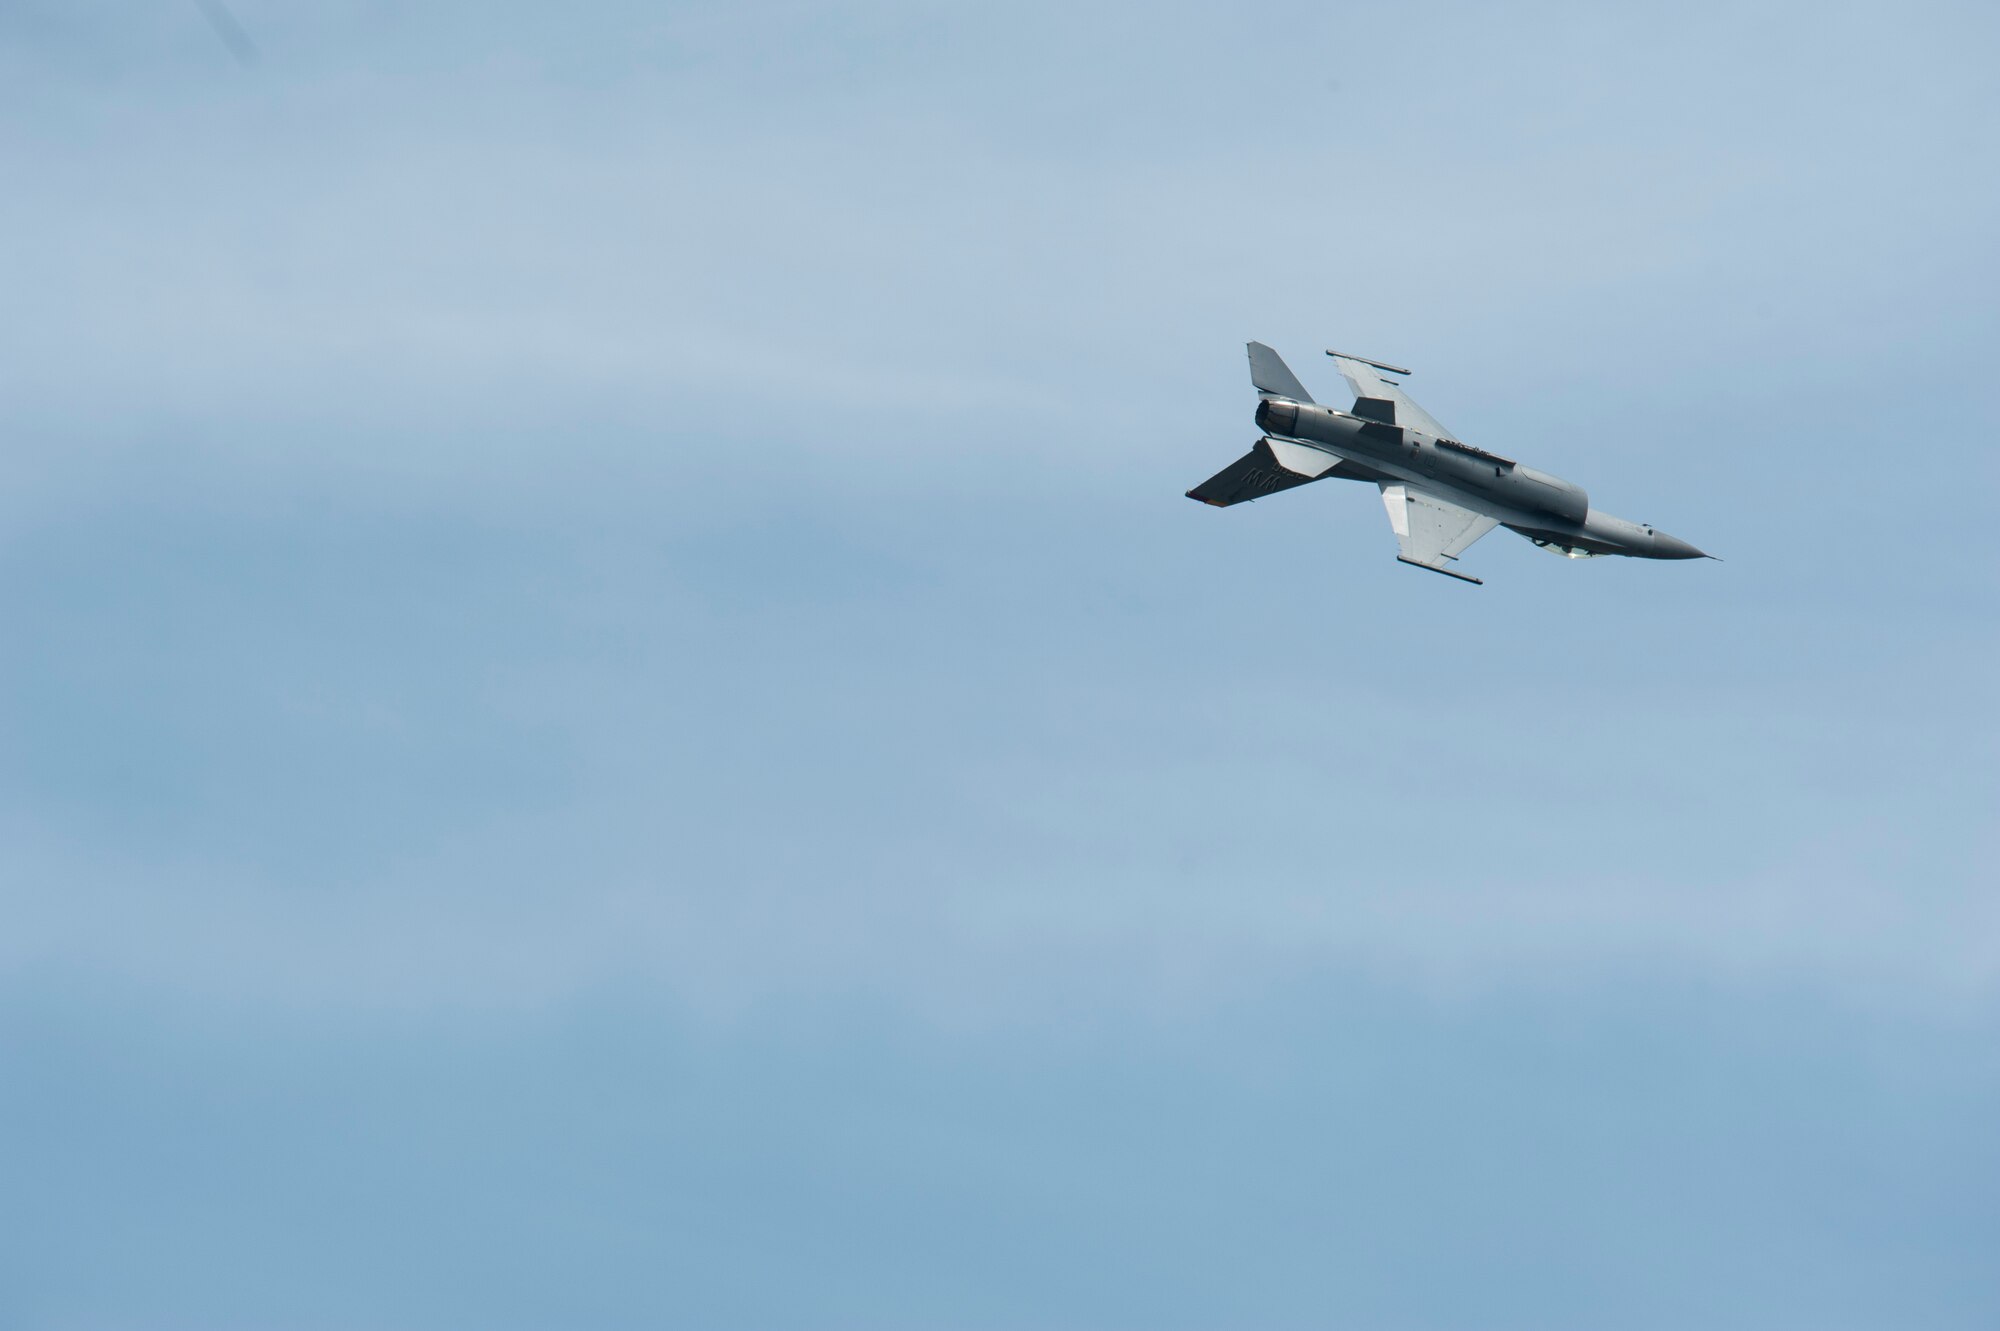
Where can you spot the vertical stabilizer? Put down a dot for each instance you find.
(1273, 377)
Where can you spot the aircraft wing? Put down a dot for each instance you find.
(1431, 533)
(1383, 399)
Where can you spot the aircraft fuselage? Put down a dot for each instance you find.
(1547, 509)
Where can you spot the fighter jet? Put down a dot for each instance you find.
(1442, 494)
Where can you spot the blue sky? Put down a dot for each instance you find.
(613, 716)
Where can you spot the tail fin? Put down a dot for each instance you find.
(1273, 377)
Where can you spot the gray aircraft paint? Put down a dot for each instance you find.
(1442, 494)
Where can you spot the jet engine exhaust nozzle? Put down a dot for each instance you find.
(1275, 417)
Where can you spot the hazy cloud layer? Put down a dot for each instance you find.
(608, 689)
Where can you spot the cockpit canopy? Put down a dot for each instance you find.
(1566, 551)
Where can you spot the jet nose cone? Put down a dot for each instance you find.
(1673, 547)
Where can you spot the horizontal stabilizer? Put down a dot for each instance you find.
(1301, 458)
(1272, 466)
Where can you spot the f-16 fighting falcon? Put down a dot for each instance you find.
(1442, 495)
